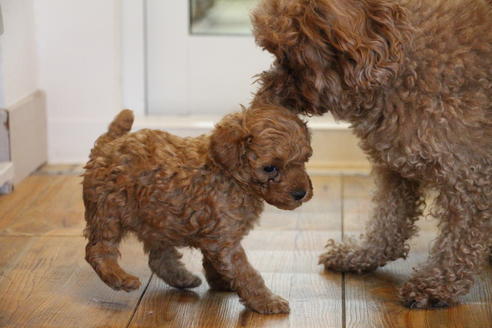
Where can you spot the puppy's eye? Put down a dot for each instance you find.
(270, 169)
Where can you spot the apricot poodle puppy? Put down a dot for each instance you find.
(205, 192)
(414, 78)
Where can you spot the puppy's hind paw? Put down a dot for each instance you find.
(183, 280)
(122, 281)
(130, 283)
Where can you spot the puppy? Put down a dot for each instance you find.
(414, 78)
(205, 192)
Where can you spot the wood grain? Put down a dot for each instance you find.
(314, 300)
(45, 281)
(51, 285)
(26, 193)
(12, 249)
(371, 299)
(44, 205)
(321, 213)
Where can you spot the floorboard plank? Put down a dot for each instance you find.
(45, 281)
(23, 198)
(322, 212)
(49, 205)
(315, 301)
(12, 249)
(371, 299)
(51, 285)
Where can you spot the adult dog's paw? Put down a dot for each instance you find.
(416, 295)
(348, 257)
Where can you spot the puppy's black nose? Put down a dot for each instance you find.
(298, 194)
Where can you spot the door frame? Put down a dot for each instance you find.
(195, 69)
(133, 55)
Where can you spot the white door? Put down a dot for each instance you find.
(202, 68)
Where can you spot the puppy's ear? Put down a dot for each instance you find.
(228, 143)
(362, 39)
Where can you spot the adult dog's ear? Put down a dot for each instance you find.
(369, 36)
(228, 143)
(362, 39)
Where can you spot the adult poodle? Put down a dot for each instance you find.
(414, 79)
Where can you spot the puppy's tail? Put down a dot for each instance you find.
(121, 125)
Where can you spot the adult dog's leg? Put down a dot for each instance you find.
(165, 262)
(461, 249)
(398, 205)
(231, 264)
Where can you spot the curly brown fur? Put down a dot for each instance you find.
(414, 78)
(205, 192)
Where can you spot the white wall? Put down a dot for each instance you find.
(72, 51)
(133, 55)
(18, 69)
(78, 46)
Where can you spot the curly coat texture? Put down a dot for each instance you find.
(205, 192)
(414, 79)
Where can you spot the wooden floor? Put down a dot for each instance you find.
(45, 281)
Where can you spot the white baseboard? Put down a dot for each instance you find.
(335, 147)
(70, 141)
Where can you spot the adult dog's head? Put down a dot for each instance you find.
(325, 48)
(266, 149)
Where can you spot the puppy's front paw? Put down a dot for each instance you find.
(417, 295)
(269, 305)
